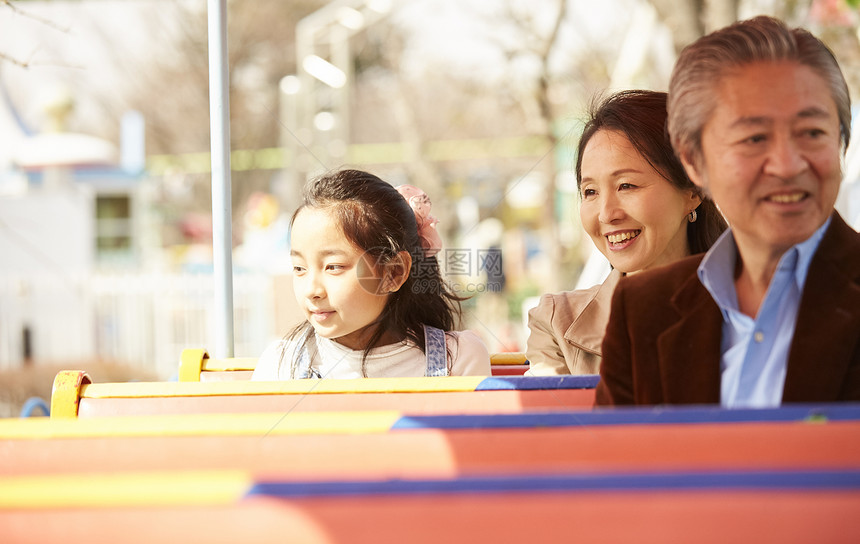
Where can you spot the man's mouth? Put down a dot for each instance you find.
(787, 198)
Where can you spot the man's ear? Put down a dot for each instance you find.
(396, 272)
(693, 167)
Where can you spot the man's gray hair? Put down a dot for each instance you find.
(695, 78)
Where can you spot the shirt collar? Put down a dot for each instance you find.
(717, 269)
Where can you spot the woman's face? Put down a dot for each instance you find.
(634, 216)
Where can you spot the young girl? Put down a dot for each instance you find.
(366, 276)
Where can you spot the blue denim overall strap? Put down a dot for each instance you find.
(303, 358)
(436, 351)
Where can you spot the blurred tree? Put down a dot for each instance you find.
(172, 91)
(12, 7)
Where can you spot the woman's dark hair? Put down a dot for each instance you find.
(641, 117)
(378, 220)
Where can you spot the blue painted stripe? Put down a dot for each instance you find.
(738, 481)
(529, 383)
(635, 416)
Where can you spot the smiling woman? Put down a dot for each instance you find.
(366, 277)
(640, 209)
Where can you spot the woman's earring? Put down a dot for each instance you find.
(692, 216)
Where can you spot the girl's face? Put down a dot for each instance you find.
(336, 284)
(635, 217)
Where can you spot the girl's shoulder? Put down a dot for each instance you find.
(267, 365)
(275, 363)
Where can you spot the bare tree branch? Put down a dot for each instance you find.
(16, 62)
(42, 20)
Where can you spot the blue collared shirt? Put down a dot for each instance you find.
(754, 352)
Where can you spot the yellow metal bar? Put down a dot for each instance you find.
(508, 359)
(297, 387)
(66, 393)
(201, 425)
(250, 363)
(229, 363)
(191, 363)
(133, 489)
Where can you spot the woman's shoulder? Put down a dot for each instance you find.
(469, 354)
(566, 305)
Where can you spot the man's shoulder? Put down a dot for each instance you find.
(841, 242)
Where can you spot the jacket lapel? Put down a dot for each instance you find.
(587, 330)
(689, 350)
(828, 319)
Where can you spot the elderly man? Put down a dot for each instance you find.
(760, 116)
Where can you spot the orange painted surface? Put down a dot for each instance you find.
(436, 453)
(642, 517)
(417, 403)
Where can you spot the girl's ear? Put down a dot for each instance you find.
(396, 272)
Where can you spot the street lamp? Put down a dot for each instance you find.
(325, 75)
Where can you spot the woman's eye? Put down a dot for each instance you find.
(625, 186)
(298, 270)
(756, 139)
(588, 192)
(334, 267)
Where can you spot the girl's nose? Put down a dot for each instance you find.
(312, 286)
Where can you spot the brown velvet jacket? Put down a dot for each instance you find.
(662, 343)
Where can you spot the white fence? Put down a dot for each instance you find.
(139, 320)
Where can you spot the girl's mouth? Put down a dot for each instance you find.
(319, 316)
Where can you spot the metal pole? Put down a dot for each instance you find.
(222, 231)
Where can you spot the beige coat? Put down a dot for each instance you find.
(566, 330)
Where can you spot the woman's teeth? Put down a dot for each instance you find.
(617, 238)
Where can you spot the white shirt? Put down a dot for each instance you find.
(404, 359)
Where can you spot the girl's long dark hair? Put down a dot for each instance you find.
(379, 221)
(641, 117)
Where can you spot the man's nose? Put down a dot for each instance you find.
(785, 158)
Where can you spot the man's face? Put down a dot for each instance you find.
(770, 155)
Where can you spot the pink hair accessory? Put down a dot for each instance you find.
(420, 204)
